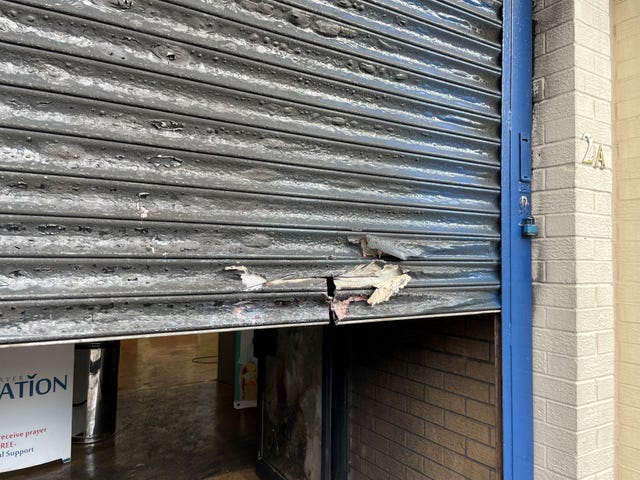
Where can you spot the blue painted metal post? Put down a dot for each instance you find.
(517, 389)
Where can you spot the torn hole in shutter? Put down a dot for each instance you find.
(385, 280)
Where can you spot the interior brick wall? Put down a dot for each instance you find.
(423, 402)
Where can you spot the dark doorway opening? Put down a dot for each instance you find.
(413, 399)
(293, 420)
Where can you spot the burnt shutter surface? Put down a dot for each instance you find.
(185, 165)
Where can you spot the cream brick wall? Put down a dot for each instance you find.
(573, 260)
(626, 28)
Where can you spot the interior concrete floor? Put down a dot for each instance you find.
(175, 420)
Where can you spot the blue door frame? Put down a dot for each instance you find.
(517, 388)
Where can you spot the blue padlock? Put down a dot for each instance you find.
(530, 229)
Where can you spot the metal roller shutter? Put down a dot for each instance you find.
(187, 165)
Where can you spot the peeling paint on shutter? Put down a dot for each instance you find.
(185, 165)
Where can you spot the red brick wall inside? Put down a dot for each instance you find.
(423, 400)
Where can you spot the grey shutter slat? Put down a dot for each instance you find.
(96, 278)
(65, 320)
(185, 40)
(207, 67)
(416, 303)
(186, 165)
(144, 164)
(33, 236)
(71, 115)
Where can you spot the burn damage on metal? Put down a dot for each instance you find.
(292, 406)
(187, 165)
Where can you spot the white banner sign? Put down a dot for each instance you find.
(36, 391)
